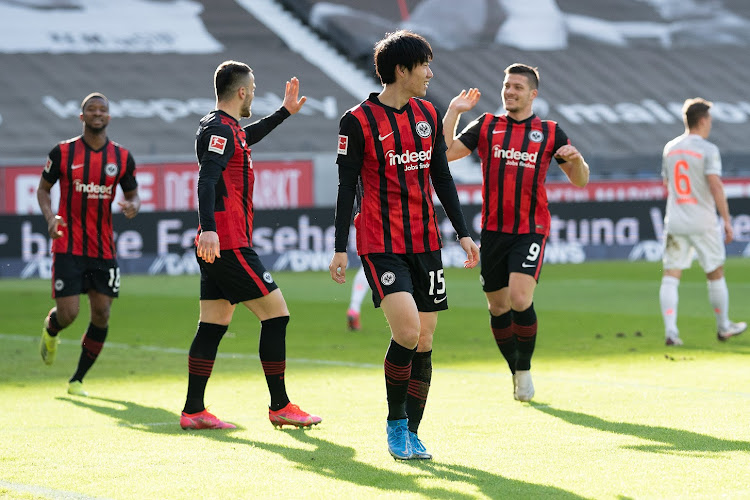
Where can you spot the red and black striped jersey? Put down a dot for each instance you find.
(515, 160)
(88, 183)
(226, 177)
(221, 142)
(392, 149)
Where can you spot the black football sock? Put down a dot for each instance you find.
(524, 328)
(53, 327)
(504, 338)
(200, 364)
(91, 345)
(397, 366)
(272, 351)
(419, 387)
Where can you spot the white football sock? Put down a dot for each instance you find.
(718, 295)
(668, 299)
(359, 289)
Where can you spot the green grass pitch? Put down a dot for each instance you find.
(616, 415)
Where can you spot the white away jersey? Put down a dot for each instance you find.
(686, 162)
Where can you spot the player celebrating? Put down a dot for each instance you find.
(393, 143)
(231, 271)
(89, 168)
(691, 168)
(515, 150)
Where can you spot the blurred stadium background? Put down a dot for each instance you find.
(614, 74)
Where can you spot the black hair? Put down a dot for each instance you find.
(530, 72)
(229, 76)
(400, 48)
(94, 95)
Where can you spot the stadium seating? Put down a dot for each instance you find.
(612, 73)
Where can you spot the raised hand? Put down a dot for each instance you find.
(291, 103)
(465, 101)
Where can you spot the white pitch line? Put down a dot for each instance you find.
(330, 362)
(41, 491)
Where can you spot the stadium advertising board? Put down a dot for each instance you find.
(172, 187)
(609, 191)
(302, 240)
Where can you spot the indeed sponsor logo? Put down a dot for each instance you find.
(512, 154)
(411, 159)
(92, 188)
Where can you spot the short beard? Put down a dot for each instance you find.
(96, 130)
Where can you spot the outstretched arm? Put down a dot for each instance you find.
(465, 101)
(290, 106)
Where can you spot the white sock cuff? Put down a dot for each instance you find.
(717, 284)
(670, 280)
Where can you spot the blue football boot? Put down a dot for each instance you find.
(399, 444)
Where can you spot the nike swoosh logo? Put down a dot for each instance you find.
(523, 264)
(438, 301)
(382, 137)
(498, 131)
(73, 167)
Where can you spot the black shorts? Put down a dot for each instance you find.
(75, 274)
(237, 276)
(503, 253)
(420, 274)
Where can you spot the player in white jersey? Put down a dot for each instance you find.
(691, 168)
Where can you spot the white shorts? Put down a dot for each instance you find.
(680, 249)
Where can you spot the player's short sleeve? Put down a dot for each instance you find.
(469, 136)
(713, 160)
(561, 139)
(51, 172)
(127, 181)
(351, 142)
(215, 144)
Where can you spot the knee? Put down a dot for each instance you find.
(66, 315)
(406, 335)
(498, 310)
(499, 307)
(425, 342)
(100, 316)
(520, 300)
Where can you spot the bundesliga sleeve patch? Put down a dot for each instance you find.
(343, 144)
(217, 144)
(48, 165)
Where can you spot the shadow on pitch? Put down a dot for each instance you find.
(666, 439)
(491, 485)
(339, 462)
(330, 459)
